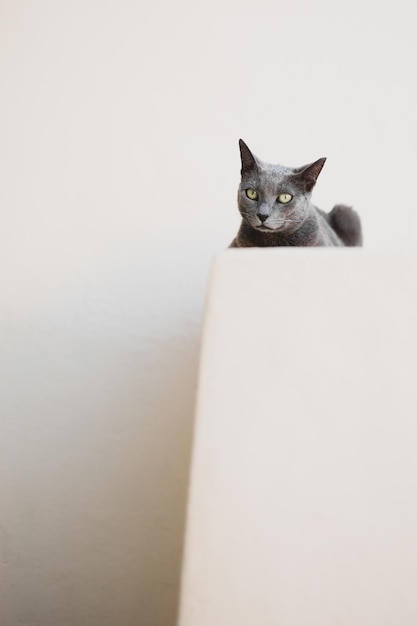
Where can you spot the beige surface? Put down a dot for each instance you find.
(119, 164)
(303, 506)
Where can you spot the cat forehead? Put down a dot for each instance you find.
(271, 177)
(274, 172)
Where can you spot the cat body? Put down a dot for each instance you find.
(275, 204)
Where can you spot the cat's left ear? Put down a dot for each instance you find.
(248, 160)
(306, 177)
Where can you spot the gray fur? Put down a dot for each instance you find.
(266, 222)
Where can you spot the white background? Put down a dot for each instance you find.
(119, 124)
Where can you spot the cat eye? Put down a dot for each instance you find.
(252, 194)
(284, 198)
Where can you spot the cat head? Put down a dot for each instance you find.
(273, 197)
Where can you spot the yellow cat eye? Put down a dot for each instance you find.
(284, 198)
(252, 194)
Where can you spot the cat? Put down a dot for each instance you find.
(274, 202)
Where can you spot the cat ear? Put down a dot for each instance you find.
(248, 160)
(306, 177)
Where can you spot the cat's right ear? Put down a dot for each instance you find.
(306, 177)
(248, 160)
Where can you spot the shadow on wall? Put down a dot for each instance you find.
(100, 394)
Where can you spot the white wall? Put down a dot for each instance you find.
(303, 499)
(119, 164)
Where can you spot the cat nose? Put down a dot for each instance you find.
(262, 216)
(263, 212)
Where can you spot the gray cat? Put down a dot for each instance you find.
(274, 202)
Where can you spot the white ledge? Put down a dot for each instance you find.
(303, 498)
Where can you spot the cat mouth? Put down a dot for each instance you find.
(267, 229)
